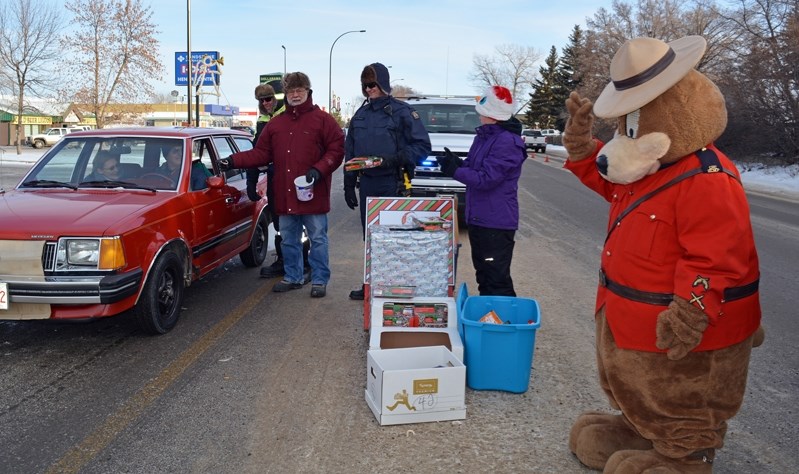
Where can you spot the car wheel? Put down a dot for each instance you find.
(158, 308)
(38, 144)
(255, 254)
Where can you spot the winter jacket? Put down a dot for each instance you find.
(693, 239)
(491, 174)
(300, 138)
(386, 127)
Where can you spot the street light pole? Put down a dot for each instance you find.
(330, 71)
(284, 59)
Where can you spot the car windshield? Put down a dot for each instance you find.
(448, 118)
(110, 162)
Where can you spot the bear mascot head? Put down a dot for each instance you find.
(677, 309)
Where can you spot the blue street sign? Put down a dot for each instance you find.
(208, 72)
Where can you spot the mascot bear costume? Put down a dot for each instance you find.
(677, 310)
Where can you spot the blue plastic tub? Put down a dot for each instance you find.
(498, 356)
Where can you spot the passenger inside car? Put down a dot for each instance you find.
(105, 167)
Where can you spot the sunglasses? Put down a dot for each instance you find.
(266, 99)
(369, 85)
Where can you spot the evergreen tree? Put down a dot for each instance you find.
(544, 108)
(566, 77)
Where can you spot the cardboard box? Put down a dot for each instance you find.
(415, 385)
(393, 337)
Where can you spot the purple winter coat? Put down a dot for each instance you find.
(491, 174)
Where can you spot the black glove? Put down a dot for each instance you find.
(226, 163)
(449, 163)
(313, 175)
(389, 162)
(252, 181)
(350, 197)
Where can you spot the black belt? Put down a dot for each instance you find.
(663, 299)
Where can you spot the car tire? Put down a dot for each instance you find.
(158, 309)
(255, 254)
(38, 144)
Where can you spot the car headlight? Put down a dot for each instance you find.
(89, 254)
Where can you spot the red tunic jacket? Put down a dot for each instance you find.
(300, 138)
(693, 240)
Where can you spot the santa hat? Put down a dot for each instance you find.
(497, 103)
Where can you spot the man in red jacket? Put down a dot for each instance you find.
(302, 141)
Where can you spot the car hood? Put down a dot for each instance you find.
(50, 213)
(456, 142)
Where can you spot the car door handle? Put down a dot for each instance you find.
(229, 200)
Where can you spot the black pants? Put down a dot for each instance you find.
(492, 252)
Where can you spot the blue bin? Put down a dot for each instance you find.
(498, 356)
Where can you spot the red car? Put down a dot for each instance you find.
(117, 219)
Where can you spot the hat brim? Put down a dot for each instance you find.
(613, 103)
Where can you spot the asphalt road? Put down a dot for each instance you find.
(253, 381)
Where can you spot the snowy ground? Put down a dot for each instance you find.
(781, 180)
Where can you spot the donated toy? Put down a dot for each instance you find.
(677, 308)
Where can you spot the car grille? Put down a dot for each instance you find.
(48, 256)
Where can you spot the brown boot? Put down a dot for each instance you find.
(595, 436)
(641, 462)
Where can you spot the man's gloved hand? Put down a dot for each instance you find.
(449, 163)
(226, 163)
(389, 162)
(680, 328)
(350, 197)
(313, 175)
(577, 138)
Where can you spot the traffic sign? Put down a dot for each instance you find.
(207, 59)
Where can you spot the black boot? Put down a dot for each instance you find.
(357, 294)
(276, 268)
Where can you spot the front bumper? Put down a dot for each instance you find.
(77, 290)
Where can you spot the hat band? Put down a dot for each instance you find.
(648, 74)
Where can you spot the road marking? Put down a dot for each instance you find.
(80, 455)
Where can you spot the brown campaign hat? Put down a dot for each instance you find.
(644, 68)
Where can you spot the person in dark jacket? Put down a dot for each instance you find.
(387, 128)
(303, 141)
(491, 173)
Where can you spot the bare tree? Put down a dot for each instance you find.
(762, 84)
(117, 44)
(27, 49)
(512, 66)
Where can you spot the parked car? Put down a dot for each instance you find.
(49, 138)
(75, 247)
(451, 123)
(244, 128)
(533, 139)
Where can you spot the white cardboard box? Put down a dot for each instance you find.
(415, 385)
(389, 337)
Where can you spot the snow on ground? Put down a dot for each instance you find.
(779, 180)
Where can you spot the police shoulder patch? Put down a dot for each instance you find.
(415, 114)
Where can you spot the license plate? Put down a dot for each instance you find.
(4, 297)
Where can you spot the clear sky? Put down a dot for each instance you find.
(428, 44)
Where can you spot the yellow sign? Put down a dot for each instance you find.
(34, 120)
(423, 386)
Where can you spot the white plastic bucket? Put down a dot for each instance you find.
(304, 188)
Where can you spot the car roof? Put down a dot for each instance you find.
(173, 132)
